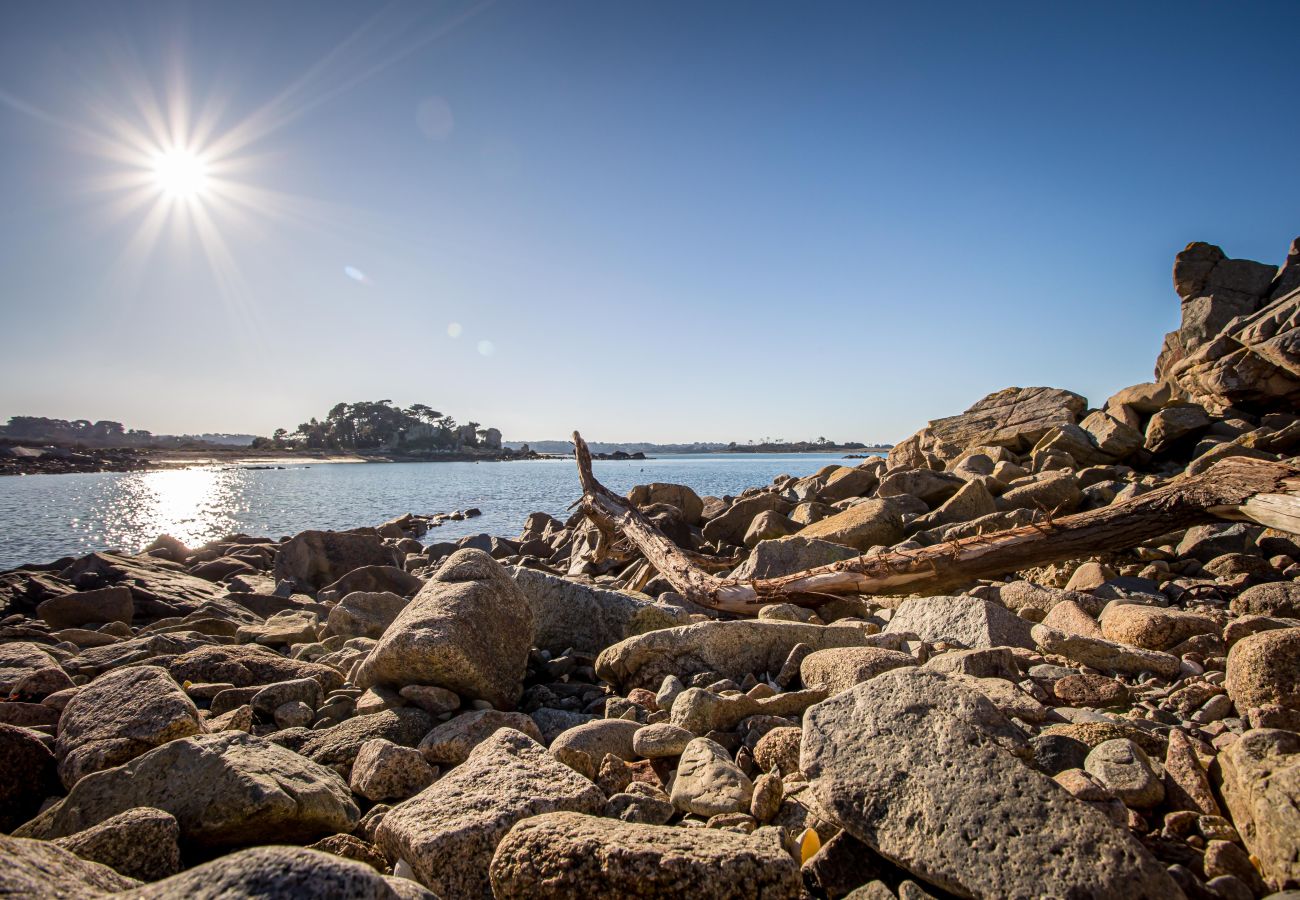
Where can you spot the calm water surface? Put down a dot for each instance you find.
(43, 517)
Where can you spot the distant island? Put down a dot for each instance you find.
(779, 445)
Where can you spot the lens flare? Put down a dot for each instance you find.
(180, 173)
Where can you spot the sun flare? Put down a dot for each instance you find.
(180, 173)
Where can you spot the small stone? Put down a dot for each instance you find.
(661, 740)
(294, 714)
(1125, 770)
(769, 791)
(431, 698)
(614, 775)
(708, 782)
(384, 771)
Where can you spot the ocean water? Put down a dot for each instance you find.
(44, 517)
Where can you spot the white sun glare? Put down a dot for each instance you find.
(180, 173)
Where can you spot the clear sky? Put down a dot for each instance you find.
(648, 221)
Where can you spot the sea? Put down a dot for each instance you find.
(46, 517)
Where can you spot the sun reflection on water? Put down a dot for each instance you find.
(192, 505)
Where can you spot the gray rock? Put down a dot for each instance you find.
(247, 665)
(315, 559)
(598, 737)
(969, 621)
(567, 614)
(225, 790)
(783, 556)
(364, 614)
(110, 604)
(731, 649)
(40, 869)
(1124, 769)
(840, 668)
(1264, 668)
(448, 832)
(871, 523)
(337, 747)
(1261, 787)
(468, 630)
(708, 783)
(22, 750)
(1107, 656)
(700, 711)
(554, 722)
(660, 740)
(570, 855)
(383, 771)
(119, 716)
(27, 670)
(270, 698)
(139, 843)
(281, 873)
(922, 769)
(450, 743)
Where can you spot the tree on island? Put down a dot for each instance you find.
(378, 424)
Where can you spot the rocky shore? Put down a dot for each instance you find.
(367, 714)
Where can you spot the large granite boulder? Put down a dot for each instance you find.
(246, 665)
(1264, 668)
(568, 614)
(1015, 418)
(29, 775)
(731, 649)
(315, 559)
(28, 671)
(1261, 786)
(139, 843)
(120, 715)
(110, 604)
(468, 630)
(159, 589)
(337, 746)
(40, 869)
(364, 614)
(566, 854)
(1239, 342)
(281, 873)
(225, 790)
(969, 621)
(787, 555)
(448, 832)
(679, 496)
(871, 523)
(928, 773)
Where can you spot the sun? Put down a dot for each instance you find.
(180, 173)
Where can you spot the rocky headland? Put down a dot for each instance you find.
(366, 714)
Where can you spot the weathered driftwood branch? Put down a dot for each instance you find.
(1241, 489)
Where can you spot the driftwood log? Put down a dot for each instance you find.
(1251, 490)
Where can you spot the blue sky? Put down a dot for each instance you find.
(651, 221)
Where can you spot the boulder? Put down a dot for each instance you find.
(28, 671)
(679, 496)
(120, 715)
(568, 614)
(927, 485)
(337, 746)
(22, 751)
(1056, 492)
(730, 526)
(928, 773)
(850, 481)
(968, 621)
(569, 855)
(140, 843)
(468, 630)
(1152, 627)
(1279, 598)
(862, 526)
(225, 790)
(364, 614)
(784, 556)
(1014, 418)
(450, 743)
(1174, 425)
(731, 649)
(282, 873)
(1264, 668)
(40, 869)
(317, 558)
(708, 783)
(383, 771)
(372, 580)
(448, 832)
(1124, 769)
(1261, 787)
(768, 526)
(110, 604)
(840, 668)
(159, 589)
(1108, 656)
(248, 665)
(701, 711)
(597, 738)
